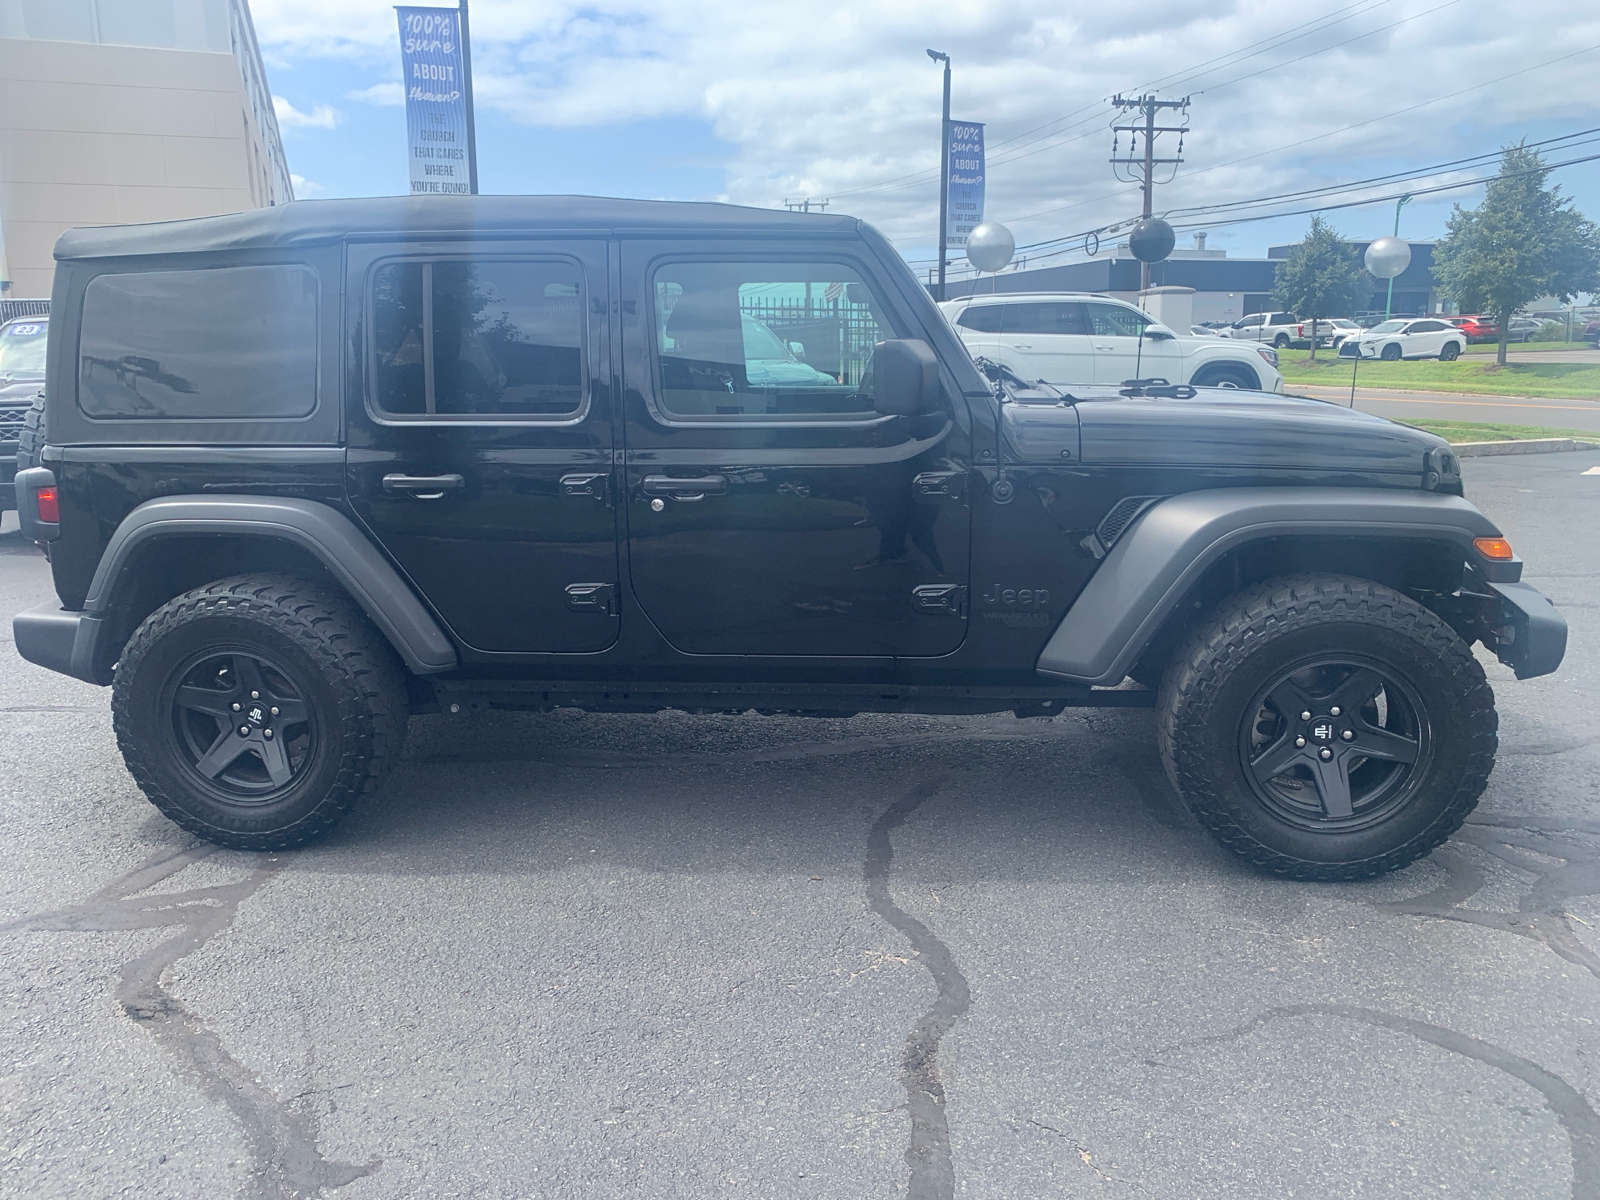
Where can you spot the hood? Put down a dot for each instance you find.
(20, 391)
(1217, 427)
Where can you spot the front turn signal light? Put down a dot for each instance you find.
(1496, 548)
(48, 505)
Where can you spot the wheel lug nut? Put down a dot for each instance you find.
(1349, 735)
(1300, 742)
(1305, 716)
(255, 695)
(274, 711)
(266, 733)
(1334, 710)
(244, 731)
(1326, 754)
(235, 706)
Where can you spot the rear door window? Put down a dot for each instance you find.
(477, 340)
(223, 342)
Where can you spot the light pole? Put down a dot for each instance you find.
(944, 165)
(1388, 303)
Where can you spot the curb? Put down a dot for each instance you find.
(1530, 446)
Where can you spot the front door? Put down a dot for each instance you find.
(1057, 334)
(480, 435)
(1121, 353)
(770, 510)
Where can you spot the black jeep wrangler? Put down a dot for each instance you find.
(309, 469)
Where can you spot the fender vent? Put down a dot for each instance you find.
(1115, 523)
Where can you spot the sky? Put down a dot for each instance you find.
(759, 103)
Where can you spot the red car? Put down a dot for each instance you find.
(1591, 334)
(1477, 329)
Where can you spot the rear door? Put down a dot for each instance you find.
(770, 510)
(480, 434)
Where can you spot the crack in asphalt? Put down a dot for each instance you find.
(282, 1139)
(1086, 1158)
(928, 1152)
(1577, 1118)
(1541, 912)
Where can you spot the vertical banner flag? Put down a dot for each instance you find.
(436, 101)
(966, 183)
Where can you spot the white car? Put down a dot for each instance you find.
(1424, 337)
(1070, 338)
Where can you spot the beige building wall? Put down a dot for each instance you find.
(96, 134)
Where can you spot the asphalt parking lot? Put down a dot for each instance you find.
(573, 955)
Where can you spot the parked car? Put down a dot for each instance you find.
(1591, 333)
(311, 468)
(1070, 338)
(1424, 337)
(1340, 328)
(1522, 329)
(1203, 331)
(22, 363)
(1476, 328)
(1279, 330)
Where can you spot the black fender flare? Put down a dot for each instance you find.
(323, 531)
(1169, 546)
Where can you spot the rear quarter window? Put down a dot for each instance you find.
(215, 343)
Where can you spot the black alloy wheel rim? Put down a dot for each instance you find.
(1335, 744)
(240, 725)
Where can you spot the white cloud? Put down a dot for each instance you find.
(304, 188)
(322, 116)
(385, 94)
(836, 96)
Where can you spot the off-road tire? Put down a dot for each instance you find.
(353, 685)
(1229, 376)
(31, 436)
(1205, 697)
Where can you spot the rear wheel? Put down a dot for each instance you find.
(1228, 376)
(257, 710)
(1450, 353)
(1325, 727)
(1281, 342)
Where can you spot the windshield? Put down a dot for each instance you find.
(1388, 327)
(22, 346)
(761, 344)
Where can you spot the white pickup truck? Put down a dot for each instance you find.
(1279, 330)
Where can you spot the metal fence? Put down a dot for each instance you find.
(838, 335)
(12, 309)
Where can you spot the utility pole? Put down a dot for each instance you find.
(805, 205)
(1388, 303)
(472, 124)
(1149, 106)
(944, 166)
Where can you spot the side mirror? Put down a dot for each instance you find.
(905, 377)
(1158, 333)
(798, 348)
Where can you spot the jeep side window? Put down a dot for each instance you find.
(1112, 320)
(223, 342)
(457, 339)
(725, 332)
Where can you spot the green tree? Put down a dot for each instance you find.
(1322, 277)
(1524, 241)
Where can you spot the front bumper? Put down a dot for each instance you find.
(63, 641)
(1530, 636)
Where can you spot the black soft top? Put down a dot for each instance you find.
(310, 222)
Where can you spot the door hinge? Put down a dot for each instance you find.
(939, 485)
(944, 599)
(592, 598)
(594, 484)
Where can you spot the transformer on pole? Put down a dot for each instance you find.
(1148, 105)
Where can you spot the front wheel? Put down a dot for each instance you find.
(256, 711)
(1450, 353)
(1325, 727)
(1391, 353)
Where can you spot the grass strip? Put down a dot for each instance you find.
(1457, 432)
(1561, 381)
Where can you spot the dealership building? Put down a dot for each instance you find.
(115, 111)
(1224, 289)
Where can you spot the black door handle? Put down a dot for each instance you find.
(684, 489)
(424, 487)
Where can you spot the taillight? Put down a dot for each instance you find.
(47, 505)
